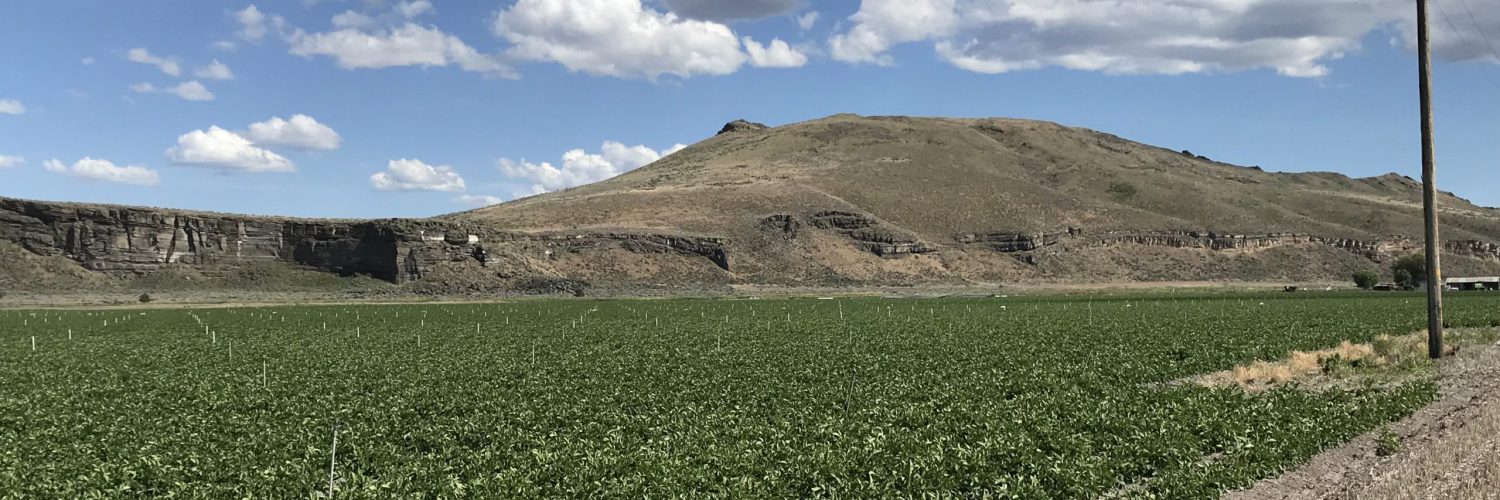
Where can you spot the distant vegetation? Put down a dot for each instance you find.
(1410, 271)
(1366, 279)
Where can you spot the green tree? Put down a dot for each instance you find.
(1367, 278)
(1410, 270)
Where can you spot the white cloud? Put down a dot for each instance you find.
(879, 24)
(1467, 38)
(225, 46)
(192, 91)
(806, 21)
(409, 44)
(477, 200)
(104, 171)
(252, 23)
(352, 19)
(722, 11)
(618, 38)
(215, 71)
(580, 167)
(167, 65)
(777, 54)
(87, 61)
(11, 161)
(1293, 37)
(414, 175)
(400, 14)
(12, 107)
(300, 132)
(413, 9)
(222, 149)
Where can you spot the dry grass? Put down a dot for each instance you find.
(1449, 449)
(1462, 465)
(1324, 367)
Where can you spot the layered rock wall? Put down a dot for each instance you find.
(1078, 238)
(130, 240)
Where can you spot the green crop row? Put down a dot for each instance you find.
(1000, 397)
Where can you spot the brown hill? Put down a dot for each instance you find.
(897, 199)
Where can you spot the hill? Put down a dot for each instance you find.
(896, 199)
(840, 201)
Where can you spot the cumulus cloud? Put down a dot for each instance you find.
(721, 11)
(879, 24)
(222, 149)
(104, 171)
(619, 38)
(414, 175)
(580, 167)
(777, 54)
(1293, 37)
(474, 200)
(11, 161)
(167, 65)
(356, 46)
(299, 132)
(215, 71)
(12, 107)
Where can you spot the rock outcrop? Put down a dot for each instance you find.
(133, 241)
(869, 233)
(1076, 238)
(741, 126)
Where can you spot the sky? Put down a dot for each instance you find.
(370, 108)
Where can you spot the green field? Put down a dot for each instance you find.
(1028, 397)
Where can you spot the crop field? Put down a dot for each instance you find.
(1023, 397)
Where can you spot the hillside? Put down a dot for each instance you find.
(997, 199)
(841, 201)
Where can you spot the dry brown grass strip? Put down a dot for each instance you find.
(1307, 366)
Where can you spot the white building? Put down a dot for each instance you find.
(1490, 283)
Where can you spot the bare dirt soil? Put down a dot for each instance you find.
(1449, 449)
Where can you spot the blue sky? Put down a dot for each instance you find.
(366, 108)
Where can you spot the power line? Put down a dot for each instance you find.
(1463, 38)
(1487, 41)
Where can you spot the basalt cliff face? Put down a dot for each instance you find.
(134, 240)
(841, 201)
(127, 242)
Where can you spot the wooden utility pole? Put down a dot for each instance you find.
(1429, 193)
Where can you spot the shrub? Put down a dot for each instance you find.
(1410, 270)
(145, 297)
(1387, 443)
(1122, 190)
(1366, 279)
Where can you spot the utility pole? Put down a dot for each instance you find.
(1429, 193)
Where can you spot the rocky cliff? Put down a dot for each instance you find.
(124, 241)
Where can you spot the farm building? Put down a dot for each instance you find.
(1490, 283)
